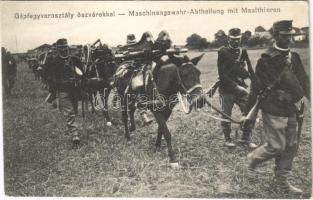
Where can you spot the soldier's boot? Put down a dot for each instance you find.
(283, 185)
(75, 140)
(228, 141)
(252, 163)
(246, 140)
(145, 118)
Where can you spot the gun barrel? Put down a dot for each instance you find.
(135, 54)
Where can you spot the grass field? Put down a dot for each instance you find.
(39, 160)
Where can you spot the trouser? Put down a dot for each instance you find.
(8, 83)
(68, 104)
(281, 143)
(228, 100)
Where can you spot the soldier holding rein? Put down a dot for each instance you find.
(232, 88)
(66, 71)
(9, 70)
(284, 67)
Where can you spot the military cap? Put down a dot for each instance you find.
(163, 35)
(61, 42)
(234, 33)
(131, 39)
(283, 27)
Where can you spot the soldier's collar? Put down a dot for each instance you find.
(229, 46)
(280, 49)
(273, 52)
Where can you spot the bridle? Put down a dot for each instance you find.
(185, 92)
(64, 57)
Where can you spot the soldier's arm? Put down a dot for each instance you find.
(223, 70)
(256, 85)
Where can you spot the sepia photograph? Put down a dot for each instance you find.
(156, 99)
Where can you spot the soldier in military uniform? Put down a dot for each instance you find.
(66, 72)
(232, 88)
(9, 69)
(283, 68)
(131, 39)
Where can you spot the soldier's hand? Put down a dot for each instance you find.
(243, 119)
(241, 90)
(299, 103)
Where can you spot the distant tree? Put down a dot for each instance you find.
(195, 41)
(203, 43)
(220, 39)
(245, 37)
(259, 29)
(258, 41)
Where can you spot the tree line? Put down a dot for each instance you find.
(260, 38)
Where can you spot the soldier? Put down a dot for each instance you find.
(282, 70)
(232, 90)
(131, 39)
(66, 71)
(5, 65)
(9, 69)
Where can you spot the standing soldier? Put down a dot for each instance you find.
(232, 88)
(282, 83)
(9, 69)
(67, 73)
(12, 70)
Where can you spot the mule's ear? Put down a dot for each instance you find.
(195, 60)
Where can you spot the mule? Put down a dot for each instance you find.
(170, 79)
(99, 75)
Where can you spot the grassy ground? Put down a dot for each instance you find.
(39, 160)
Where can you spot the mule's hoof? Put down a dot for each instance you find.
(132, 128)
(157, 149)
(75, 142)
(128, 142)
(109, 123)
(175, 165)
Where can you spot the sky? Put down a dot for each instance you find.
(19, 35)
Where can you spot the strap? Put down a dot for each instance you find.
(239, 56)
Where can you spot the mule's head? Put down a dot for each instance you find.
(190, 84)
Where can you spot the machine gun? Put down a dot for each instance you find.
(147, 56)
(150, 54)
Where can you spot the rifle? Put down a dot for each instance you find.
(300, 117)
(253, 77)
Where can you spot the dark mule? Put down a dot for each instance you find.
(170, 80)
(99, 74)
